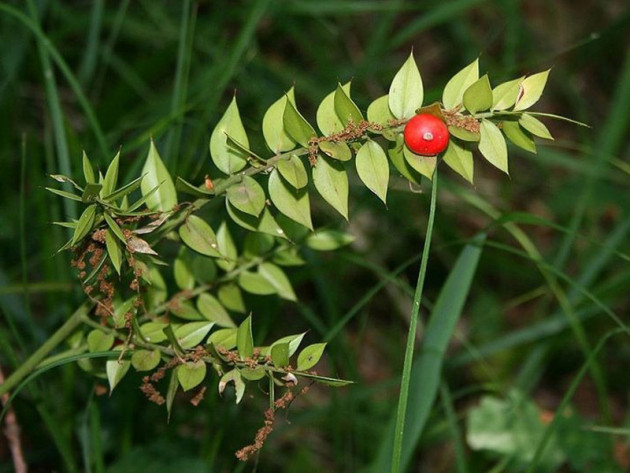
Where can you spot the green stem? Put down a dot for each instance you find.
(42, 352)
(411, 337)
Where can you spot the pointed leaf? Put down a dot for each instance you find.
(155, 174)
(464, 134)
(84, 225)
(138, 245)
(278, 279)
(124, 190)
(293, 341)
(244, 339)
(145, 360)
(192, 334)
(331, 181)
(199, 236)
(504, 95)
(182, 270)
(455, 88)
(345, 108)
(478, 97)
(373, 168)
(227, 248)
(396, 156)
(97, 340)
(296, 125)
(212, 310)
(424, 165)
(185, 310)
(310, 356)
(535, 126)
(379, 112)
(91, 192)
(264, 224)
(231, 297)
(280, 355)
(225, 337)
(191, 374)
(227, 158)
(406, 91)
(513, 131)
(111, 176)
(247, 196)
(67, 195)
(114, 227)
(153, 332)
(293, 171)
(291, 202)
(336, 150)
(255, 283)
(531, 89)
(88, 170)
(460, 160)
(328, 121)
(239, 386)
(328, 240)
(275, 135)
(113, 250)
(116, 371)
(492, 145)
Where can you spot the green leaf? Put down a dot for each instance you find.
(291, 202)
(231, 297)
(379, 112)
(280, 355)
(88, 170)
(460, 160)
(459, 83)
(204, 269)
(113, 250)
(196, 191)
(406, 91)
(345, 108)
(245, 339)
(91, 192)
(504, 95)
(396, 156)
(153, 332)
(310, 356)
(253, 374)
(124, 190)
(336, 150)
(531, 89)
(328, 240)
(275, 135)
(373, 168)
(293, 171)
(111, 176)
(464, 134)
(478, 97)
(255, 283)
(264, 224)
(156, 175)
(293, 341)
(333, 382)
(145, 360)
(192, 334)
(239, 386)
(84, 225)
(182, 270)
(227, 158)
(113, 226)
(288, 257)
(424, 165)
(296, 125)
(173, 385)
(278, 279)
(185, 310)
(191, 374)
(199, 236)
(535, 126)
(97, 340)
(227, 248)
(513, 131)
(247, 196)
(212, 310)
(327, 119)
(225, 337)
(492, 145)
(67, 195)
(116, 371)
(331, 181)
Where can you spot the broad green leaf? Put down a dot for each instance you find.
(156, 292)
(424, 165)
(396, 156)
(531, 89)
(84, 225)
(310, 356)
(239, 386)
(293, 341)
(345, 108)
(288, 257)
(245, 339)
(231, 297)
(111, 176)
(253, 374)
(406, 91)
(255, 283)
(331, 181)
(247, 196)
(199, 236)
(280, 355)
(185, 310)
(192, 334)
(122, 311)
(275, 135)
(459, 83)
(478, 97)
(373, 168)
(328, 240)
(264, 224)
(113, 250)
(156, 175)
(460, 160)
(379, 112)
(464, 134)
(225, 337)
(328, 121)
(227, 158)
(191, 374)
(513, 131)
(91, 192)
(296, 125)
(212, 310)
(153, 332)
(535, 126)
(182, 270)
(337, 150)
(293, 171)
(492, 145)
(204, 269)
(145, 360)
(504, 95)
(227, 248)
(200, 191)
(116, 370)
(115, 228)
(294, 203)
(257, 244)
(278, 279)
(88, 170)
(97, 340)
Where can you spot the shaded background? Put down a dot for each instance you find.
(168, 70)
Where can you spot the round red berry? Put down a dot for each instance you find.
(426, 135)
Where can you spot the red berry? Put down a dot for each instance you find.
(426, 135)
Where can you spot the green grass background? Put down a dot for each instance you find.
(95, 76)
